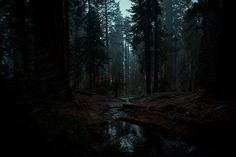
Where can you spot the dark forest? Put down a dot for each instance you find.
(86, 78)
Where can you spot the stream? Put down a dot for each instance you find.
(130, 136)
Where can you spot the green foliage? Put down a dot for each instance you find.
(138, 18)
(95, 53)
(146, 29)
(202, 22)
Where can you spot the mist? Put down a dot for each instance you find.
(122, 78)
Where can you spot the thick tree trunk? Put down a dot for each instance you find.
(20, 53)
(225, 84)
(156, 48)
(50, 31)
(66, 38)
(106, 16)
(107, 43)
(126, 63)
(147, 41)
(92, 59)
(51, 40)
(156, 60)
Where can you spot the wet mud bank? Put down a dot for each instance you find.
(188, 138)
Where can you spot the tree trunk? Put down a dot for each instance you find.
(156, 60)
(91, 62)
(51, 41)
(225, 84)
(66, 38)
(107, 43)
(156, 48)
(148, 63)
(20, 53)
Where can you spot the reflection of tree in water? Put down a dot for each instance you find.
(147, 141)
(128, 134)
(124, 128)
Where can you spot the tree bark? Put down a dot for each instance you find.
(156, 60)
(147, 35)
(51, 40)
(107, 42)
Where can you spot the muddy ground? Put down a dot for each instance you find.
(191, 116)
(177, 114)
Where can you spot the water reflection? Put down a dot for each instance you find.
(127, 133)
(130, 135)
(152, 143)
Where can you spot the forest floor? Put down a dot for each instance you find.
(82, 121)
(192, 117)
(177, 114)
(183, 114)
(90, 110)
